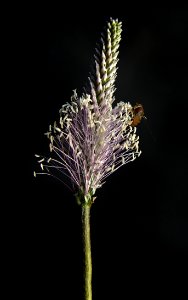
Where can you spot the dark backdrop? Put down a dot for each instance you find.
(140, 217)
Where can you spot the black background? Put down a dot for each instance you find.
(139, 222)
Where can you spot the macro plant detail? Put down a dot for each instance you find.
(93, 137)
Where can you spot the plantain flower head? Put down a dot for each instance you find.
(93, 137)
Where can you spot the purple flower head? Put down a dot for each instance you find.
(92, 138)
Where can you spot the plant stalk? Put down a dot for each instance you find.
(87, 252)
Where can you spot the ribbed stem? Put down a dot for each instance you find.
(87, 252)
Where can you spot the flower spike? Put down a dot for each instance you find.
(93, 139)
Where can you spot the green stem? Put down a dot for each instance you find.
(87, 252)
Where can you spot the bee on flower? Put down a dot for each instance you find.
(94, 137)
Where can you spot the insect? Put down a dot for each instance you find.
(138, 114)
